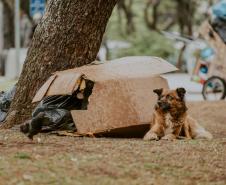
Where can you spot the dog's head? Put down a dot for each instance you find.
(170, 100)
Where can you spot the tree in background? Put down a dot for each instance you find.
(126, 8)
(8, 24)
(152, 21)
(69, 35)
(8, 14)
(185, 14)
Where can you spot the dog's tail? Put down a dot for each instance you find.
(202, 133)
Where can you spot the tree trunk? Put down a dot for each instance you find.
(185, 13)
(153, 21)
(127, 9)
(180, 58)
(68, 36)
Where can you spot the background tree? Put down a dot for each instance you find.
(8, 24)
(8, 13)
(126, 8)
(185, 14)
(69, 35)
(152, 21)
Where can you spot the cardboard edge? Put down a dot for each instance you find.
(132, 131)
(141, 129)
(72, 81)
(44, 88)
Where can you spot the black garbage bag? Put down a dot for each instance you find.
(47, 121)
(219, 26)
(5, 101)
(53, 113)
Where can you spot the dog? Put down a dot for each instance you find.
(170, 119)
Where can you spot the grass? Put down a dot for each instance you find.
(112, 161)
(69, 160)
(22, 156)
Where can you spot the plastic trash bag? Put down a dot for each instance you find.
(47, 121)
(5, 102)
(53, 112)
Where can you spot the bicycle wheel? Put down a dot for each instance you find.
(214, 89)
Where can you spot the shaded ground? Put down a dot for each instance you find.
(67, 160)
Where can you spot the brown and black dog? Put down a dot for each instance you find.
(171, 115)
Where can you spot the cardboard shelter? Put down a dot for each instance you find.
(122, 99)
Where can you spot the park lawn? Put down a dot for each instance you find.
(51, 159)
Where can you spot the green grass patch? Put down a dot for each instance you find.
(22, 155)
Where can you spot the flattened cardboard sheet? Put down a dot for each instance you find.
(126, 68)
(59, 84)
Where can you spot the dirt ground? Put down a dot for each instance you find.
(68, 160)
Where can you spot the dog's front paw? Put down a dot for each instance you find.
(151, 136)
(169, 137)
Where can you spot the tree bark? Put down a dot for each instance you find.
(69, 35)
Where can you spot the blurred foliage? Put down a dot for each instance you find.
(143, 40)
(147, 43)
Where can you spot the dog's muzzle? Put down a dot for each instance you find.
(164, 106)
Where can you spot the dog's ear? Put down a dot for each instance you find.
(181, 92)
(158, 91)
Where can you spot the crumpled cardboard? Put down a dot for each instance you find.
(122, 101)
